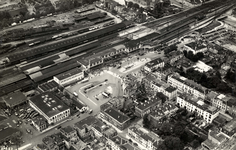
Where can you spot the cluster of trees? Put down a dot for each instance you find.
(231, 76)
(160, 9)
(161, 96)
(192, 57)
(212, 82)
(141, 93)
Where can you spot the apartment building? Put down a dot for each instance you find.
(70, 76)
(84, 126)
(195, 47)
(68, 132)
(40, 123)
(161, 113)
(154, 64)
(154, 85)
(174, 56)
(197, 105)
(115, 117)
(50, 107)
(215, 140)
(142, 138)
(223, 102)
(146, 107)
(186, 86)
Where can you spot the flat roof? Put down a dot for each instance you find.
(171, 89)
(142, 134)
(68, 73)
(148, 103)
(117, 115)
(39, 120)
(14, 99)
(48, 86)
(14, 78)
(49, 104)
(90, 120)
(68, 129)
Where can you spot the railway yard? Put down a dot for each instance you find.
(34, 55)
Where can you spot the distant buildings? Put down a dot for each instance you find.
(50, 107)
(185, 85)
(154, 64)
(146, 107)
(70, 76)
(115, 117)
(197, 105)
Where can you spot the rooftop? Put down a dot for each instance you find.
(154, 62)
(217, 135)
(68, 74)
(195, 46)
(148, 103)
(67, 129)
(189, 83)
(202, 67)
(14, 99)
(48, 86)
(163, 110)
(39, 120)
(171, 89)
(198, 102)
(117, 115)
(230, 126)
(48, 103)
(142, 134)
(90, 120)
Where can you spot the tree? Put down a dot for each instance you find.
(130, 4)
(166, 129)
(141, 9)
(161, 96)
(146, 122)
(178, 129)
(141, 93)
(231, 76)
(173, 143)
(136, 6)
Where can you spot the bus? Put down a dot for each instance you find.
(104, 94)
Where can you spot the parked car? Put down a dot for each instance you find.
(28, 130)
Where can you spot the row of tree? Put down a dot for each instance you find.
(192, 57)
(213, 81)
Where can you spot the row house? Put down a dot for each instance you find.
(142, 138)
(154, 64)
(197, 105)
(186, 86)
(148, 106)
(155, 85)
(161, 113)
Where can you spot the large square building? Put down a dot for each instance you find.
(50, 106)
